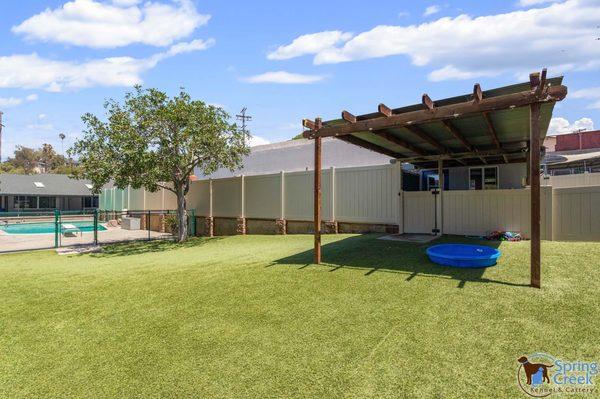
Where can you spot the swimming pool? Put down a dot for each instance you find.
(47, 227)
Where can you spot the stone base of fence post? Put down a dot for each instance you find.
(163, 223)
(241, 226)
(209, 226)
(330, 227)
(281, 226)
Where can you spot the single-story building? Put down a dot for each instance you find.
(572, 162)
(45, 192)
(573, 153)
(297, 155)
(583, 140)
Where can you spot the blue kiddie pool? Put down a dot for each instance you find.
(462, 255)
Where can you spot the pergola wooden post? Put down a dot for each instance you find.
(317, 195)
(440, 201)
(534, 179)
(537, 82)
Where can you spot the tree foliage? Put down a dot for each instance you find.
(153, 141)
(43, 160)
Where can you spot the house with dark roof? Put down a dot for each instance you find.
(45, 192)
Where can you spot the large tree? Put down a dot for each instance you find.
(153, 141)
(28, 161)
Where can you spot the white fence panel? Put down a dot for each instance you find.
(577, 213)
(154, 201)
(576, 180)
(136, 199)
(227, 197)
(419, 212)
(477, 212)
(263, 196)
(366, 195)
(299, 196)
(199, 197)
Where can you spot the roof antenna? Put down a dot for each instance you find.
(243, 117)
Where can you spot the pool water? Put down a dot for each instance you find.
(47, 227)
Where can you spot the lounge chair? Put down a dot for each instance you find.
(70, 230)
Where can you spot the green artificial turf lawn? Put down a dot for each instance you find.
(249, 316)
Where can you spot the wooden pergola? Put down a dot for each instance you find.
(503, 125)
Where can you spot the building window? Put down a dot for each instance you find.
(490, 178)
(485, 178)
(25, 202)
(90, 202)
(47, 202)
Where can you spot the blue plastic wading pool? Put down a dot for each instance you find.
(461, 255)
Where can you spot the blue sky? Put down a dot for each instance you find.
(285, 60)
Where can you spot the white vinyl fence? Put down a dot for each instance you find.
(575, 180)
(372, 195)
(576, 213)
(115, 199)
(354, 195)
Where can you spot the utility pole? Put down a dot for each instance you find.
(1, 126)
(244, 118)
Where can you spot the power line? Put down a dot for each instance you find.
(244, 118)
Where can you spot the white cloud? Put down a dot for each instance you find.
(42, 116)
(434, 9)
(309, 44)
(560, 36)
(40, 126)
(450, 72)
(126, 3)
(256, 140)
(30, 71)
(283, 77)
(10, 101)
(403, 14)
(562, 126)
(529, 3)
(14, 101)
(591, 93)
(98, 24)
(194, 45)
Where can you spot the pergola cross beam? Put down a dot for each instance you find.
(371, 146)
(437, 114)
(492, 133)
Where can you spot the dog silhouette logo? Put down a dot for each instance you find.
(540, 375)
(536, 373)
(532, 374)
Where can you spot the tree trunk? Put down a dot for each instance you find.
(182, 233)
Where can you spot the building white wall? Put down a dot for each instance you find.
(510, 176)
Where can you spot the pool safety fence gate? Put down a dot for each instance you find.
(73, 223)
(45, 229)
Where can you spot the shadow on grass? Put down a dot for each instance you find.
(145, 247)
(373, 255)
